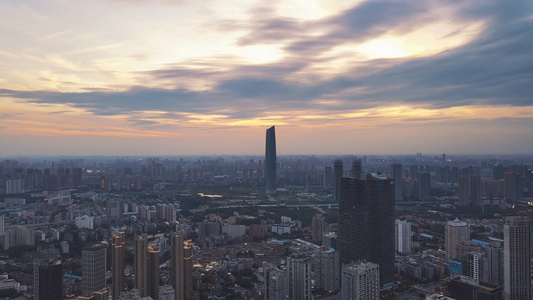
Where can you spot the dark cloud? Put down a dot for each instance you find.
(496, 69)
(60, 112)
(142, 123)
(372, 18)
(364, 21)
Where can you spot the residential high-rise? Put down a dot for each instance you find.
(48, 279)
(338, 173)
(366, 223)
(181, 260)
(318, 227)
(403, 237)
(469, 190)
(326, 266)
(328, 177)
(93, 269)
(494, 259)
(397, 176)
(187, 269)
(166, 212)
(360, 281)
(177, 270)
(512, 187)
(153, 272)
(299, 278)
(517, 258)
(141, 264)
(275, 282)
(480, 260)
(413, 172)
(424, 187)
(357, 169)
(330, 240)
(114, 209)
(270, 161)
(118, 256)
(456, 232)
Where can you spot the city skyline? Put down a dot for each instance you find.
(162, 77)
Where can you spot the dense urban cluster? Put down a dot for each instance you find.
(349, 227)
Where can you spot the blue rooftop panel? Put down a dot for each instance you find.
(481, 242)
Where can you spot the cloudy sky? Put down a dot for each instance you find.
(187, 77)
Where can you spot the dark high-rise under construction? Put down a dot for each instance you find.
(366, 223)
(270, 160)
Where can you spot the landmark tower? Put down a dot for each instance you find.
(270, 161)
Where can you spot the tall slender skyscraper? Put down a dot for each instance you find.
(517, 258)
(146, 267)
(181, 259)
(118, 254)
(187, 268)
(141, 264)
(153, 272)
(178, 278)
(270, 161)
(366, 223)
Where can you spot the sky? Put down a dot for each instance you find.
(184, 77)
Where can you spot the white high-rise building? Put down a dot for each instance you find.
(456, 232)
(299, 278)
(360, 281)
(14, 186)
(517, 258)
(84, 222)
(403, 236)
(275, 282)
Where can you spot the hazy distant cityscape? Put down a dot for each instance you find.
(266, 150)
(267, 227)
